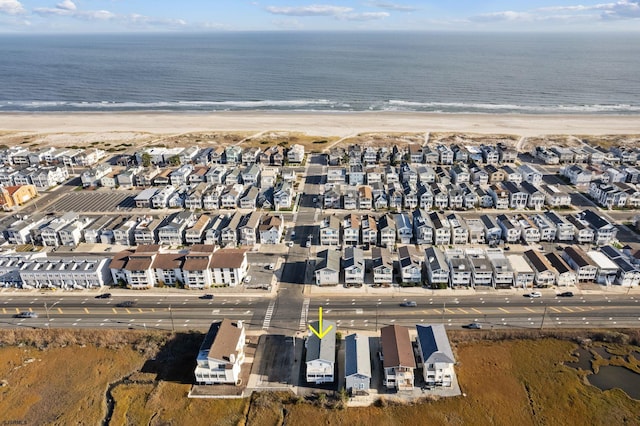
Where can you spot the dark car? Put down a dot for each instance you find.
(409, 304)
(26, 314)
(206, 297)
(473, 326)
(566, 294)
(104, 296)
(126, 304)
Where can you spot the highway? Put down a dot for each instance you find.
(371, 313)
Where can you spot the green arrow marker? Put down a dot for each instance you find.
(322, 332)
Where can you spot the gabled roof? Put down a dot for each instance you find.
(434, 344)
(396, 347)
(228, 258)
(325, 348)
(226, 335)
(329, 259)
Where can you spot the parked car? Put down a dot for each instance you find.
(206, 296)
(271, 266)
(566, 294)
(126, 304)
(534, 294)
(409, 304)
(26, 314)
(473, 326)
(289, 243)
(104, 296)
(247, 279)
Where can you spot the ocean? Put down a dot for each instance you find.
(301, 71)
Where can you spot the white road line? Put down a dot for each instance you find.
(268, 315)
(304, 313)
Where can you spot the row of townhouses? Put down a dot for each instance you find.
(21, 157)
(586, 154)
(201, 266)
(424, 227)
(41, 177)
(181, 228)
(474, 267)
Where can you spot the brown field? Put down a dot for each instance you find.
(61, 377)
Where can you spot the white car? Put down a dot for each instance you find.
(272, 266)
(289, 243)
(535, 294)
(247, 279)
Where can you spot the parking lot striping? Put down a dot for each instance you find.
(438, 311)
(86, 311)
(268, 315)
(449, 311)
(140, 310)
(4, 310)
(304, 312)
(504, 310)
(567, 309)
(463, 311)
(530, 310)
(555, 309)
(114, 310)
(476, 311)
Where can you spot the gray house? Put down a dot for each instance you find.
(321, 354)
(357, 364)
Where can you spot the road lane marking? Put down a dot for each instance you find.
(476, 311)
(268, 315)
(567, 309)
(86, 311)
(579, 308)
(555, 309)
(450, 311)
(530, 310)
(59, 310)
(140, 309)
(4, 310)
(114, 310)
(153, 309)
(463, 311)
(504, 310)
(128, 311)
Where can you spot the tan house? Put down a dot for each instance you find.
(397, 357)
(221, 354)
(14, 196)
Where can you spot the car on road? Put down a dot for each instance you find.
(307, 244)
(247, 279)
(126, 304)
(409, 304)
(289, 243)
(206, 297)
(104, 296)
(473, 326)
(566, 294)
(534, 294)
(26, 314)
(271, 266)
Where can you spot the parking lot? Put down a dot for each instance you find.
(95, 201)
(259, 269)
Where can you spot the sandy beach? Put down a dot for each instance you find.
(320, 123)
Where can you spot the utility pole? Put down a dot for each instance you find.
(444, 308)
(173, 329)
(544, 314)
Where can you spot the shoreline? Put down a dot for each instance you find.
(326, 123)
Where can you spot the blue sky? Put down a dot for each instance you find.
(80, 16)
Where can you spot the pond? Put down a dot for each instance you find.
(610, 377)
(604, 354)
(584, 360)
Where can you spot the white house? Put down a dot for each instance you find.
(410, 265)
(327, 270)
(436, 355)
(321, 354)
(229, 266)
(398, 361)
(221, 354)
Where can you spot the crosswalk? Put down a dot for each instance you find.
(268, 315)
(304, 313)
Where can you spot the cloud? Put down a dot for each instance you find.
(311, 10)
(393, 6)
(66, 5)
(365, 16)
(509, 16)
(11, 7)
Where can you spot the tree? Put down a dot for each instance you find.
(174, 161)
(146, 159)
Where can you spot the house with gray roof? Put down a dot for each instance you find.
(321, 354)
(435, 355)
(357, 364)
(327, 270)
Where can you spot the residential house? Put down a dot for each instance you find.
(481, 268)
(92, 231)
(270, 229)
(144, 198)
(283, 196)
(295, 154)
(523, 274)
(511, 230)
(357, 364)
(476, 230)
(382, 266)
(545, 274)
(459, 231)
(530, 174)
(605, 232)
(387, 230)
(221, 354)
(500, 196)
(410, 265)
(437, 268)
(368, 230)
(327, 271)
(195, 233)
(229, 266)
(120, 231)
(546, 228)
(321, 354)
(398, 361)
(492, 230)
(583, 234)
(249, 199)
(578, 260)
(70, 235)
(91, 177)
(247, 228)
(353, 266)
(628, 273)
(529, 230)
(50, 233)
(146, 230)
(607, 269)
(330, 231)
(503, 274)
(436, 355)
(251, 175)
(554, 197)
(564, 230)
(160, 199)
(12, 197)
(403, 228)
(193, 198)
(441, 229)
(422, 227)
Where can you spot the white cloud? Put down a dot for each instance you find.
(508, 15)
(66, 5)
(11, 7)
(311, 10)
(365, 16)
(392, 6)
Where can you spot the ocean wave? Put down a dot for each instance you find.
(393, 105)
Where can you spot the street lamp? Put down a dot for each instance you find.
(377, 305)
(173, 329)
(46, 309)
